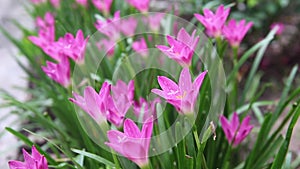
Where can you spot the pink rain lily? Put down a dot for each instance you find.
(103, 5)
(133, 143)
(103, 106)
(69, 46)
(155, 20)
(121, 88)
(141, 5)
(92, 102)
(214, 22)
(182, 48)
(129, 26)
(234, 131)
(140, 47)
(145, 110)
(46, 31)
(59, 72)
(279, 29)
(234, 32)
(182, 96)
(33, 161)
(110, 27)
(82, 2)
(107, 45)
(55, 3)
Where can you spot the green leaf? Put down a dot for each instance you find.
(95, 157)
(279, 159)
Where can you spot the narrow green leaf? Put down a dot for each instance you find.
(94, 156)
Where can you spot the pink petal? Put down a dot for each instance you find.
(168, 86)
(185, 81)
(131, 129)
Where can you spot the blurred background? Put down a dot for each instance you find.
(12, 76)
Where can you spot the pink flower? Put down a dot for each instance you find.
(182, 48)
(46, 31)
(234, 32)
(55, 3)
(182, 96)
(92, 102)
(133, 143)
(110, 27)
(107, 46)
(129, 26)
(59, 72)
(154, 20)
(144, 110)
(141, 5)
(280, 27)
(140, 47)
(214, 22)
(122, 89)
(33, 161)
(82, 2)
(103, 5)
(70, 46)
(103, 106)
(234, 131)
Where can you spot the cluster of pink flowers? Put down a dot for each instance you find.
(215, 26)
(61, 50)
(133, 143)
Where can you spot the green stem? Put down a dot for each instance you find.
(147, 166)
(227, 157)
(219, 47)
(235, 83)
(116, 161)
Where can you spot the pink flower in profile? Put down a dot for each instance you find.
(141, 5)
(140, 47)
(154, 20)
(70, 46)
(59, 72)
(46, 31)
(234, 32)
(82, 2)
(103, 106)
(120, 102)
(133, 143)
(279, 29)
(33, 161)
(92, 102)
(121, 88)
(234, 131)
(110, 27)
(128, 26)
(103, 5)
(107, 45)
(214, 22)
(144, 110)
(182, 48)
(182, 96)
(55, 3)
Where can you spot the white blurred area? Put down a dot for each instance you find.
(11, 75)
